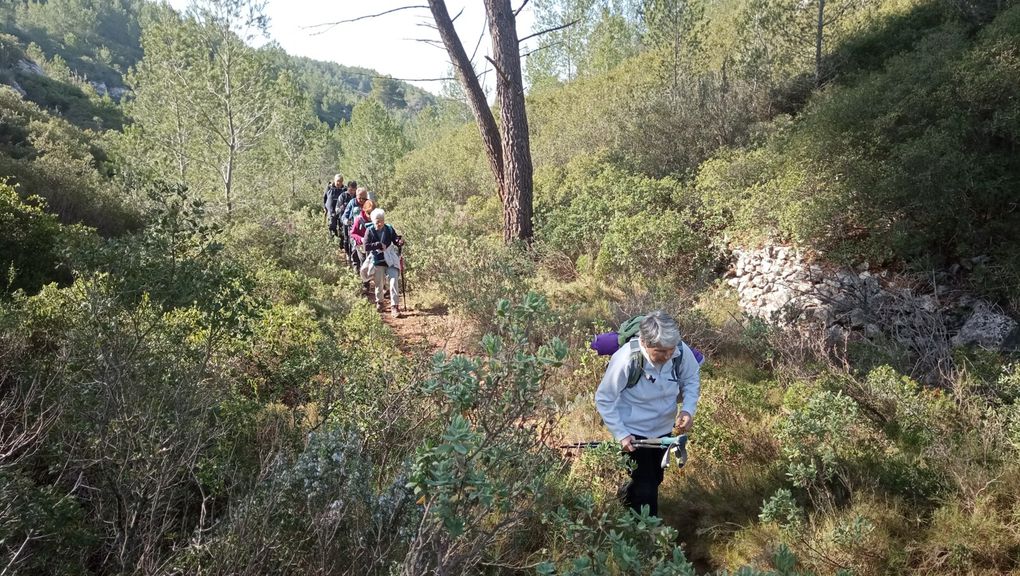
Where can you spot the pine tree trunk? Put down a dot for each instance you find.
(509, 152)
(476, 97)
(517, 168)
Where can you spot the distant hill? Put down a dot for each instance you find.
(70, 56)
(336, 88)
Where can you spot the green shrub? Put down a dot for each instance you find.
(473, 275)
(663, 244)
(627, 224)
(817, 436)
(450, 168)
(478, 481)
(846, 175)
(30, 243)
(10, 51)
(47, 156)
(178, 260)
(782, 510)
(42, 531)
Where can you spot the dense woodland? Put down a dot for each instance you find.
(191, 382)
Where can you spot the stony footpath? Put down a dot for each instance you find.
(781, 285)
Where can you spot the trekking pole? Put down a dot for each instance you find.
(590, 444)
(403, 276)
(675, 445)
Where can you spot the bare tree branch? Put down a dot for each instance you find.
(548, 30)
(436, 79)
(330, 25)
(543, 47)
(498, 71)
(21, 549)
(478, 44)
(430, 42)
(521, 7)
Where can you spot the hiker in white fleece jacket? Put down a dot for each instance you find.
(649, 408)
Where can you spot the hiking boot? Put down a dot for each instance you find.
(396, 312)
(379, 306)
(366, 287)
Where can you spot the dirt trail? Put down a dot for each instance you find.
(421, 329)
(427, 329)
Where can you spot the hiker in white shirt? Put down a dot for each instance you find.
(670, 375)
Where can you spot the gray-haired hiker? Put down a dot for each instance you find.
(382, 242)
(669, 373)
(333, 203)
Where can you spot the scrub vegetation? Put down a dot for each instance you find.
(191, 382)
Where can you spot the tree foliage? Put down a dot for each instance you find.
(186, 392)
(372, 142)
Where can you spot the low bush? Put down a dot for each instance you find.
(47, 156)
(30, 243)
(628, 225)
(845, 176)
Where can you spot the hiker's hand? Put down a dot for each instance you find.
(628, 443)
(683, 422)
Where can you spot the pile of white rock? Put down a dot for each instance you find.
(780, 284)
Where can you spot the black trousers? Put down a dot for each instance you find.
(643, 488)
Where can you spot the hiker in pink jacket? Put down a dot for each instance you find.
(358, 230)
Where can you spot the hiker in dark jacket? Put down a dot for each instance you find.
(349, 191)
(331, 203)
(341, 205)
(648, 408)
(382, 241)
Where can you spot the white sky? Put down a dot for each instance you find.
(385, 43)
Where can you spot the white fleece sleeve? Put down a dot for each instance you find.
(690, 378)
(608, 393)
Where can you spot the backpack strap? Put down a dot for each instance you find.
(637, 364)
(678, 363)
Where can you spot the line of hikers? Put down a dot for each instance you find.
(650, 372)
(372, 247)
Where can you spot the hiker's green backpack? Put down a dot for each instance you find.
(626, 335)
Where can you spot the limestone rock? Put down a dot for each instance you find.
(986, 327)
(17, 88)
(30, 67)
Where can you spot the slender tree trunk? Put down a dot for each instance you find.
(517, 168)
(509, 152)
(818, 43)
(472, 89)
(228, 180)
(182, 156)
